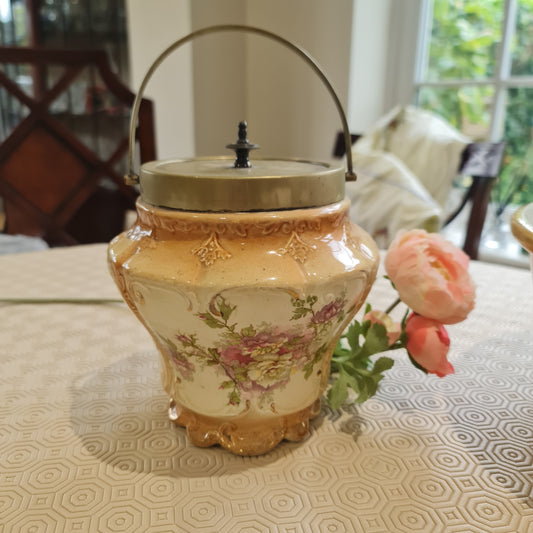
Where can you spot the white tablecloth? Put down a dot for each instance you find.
(85, 443)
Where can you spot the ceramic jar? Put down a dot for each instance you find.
(522, 228)
(245, 272)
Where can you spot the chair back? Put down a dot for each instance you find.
(64, 138)
(482, 161)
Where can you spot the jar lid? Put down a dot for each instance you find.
(522, 226)
(214, 184)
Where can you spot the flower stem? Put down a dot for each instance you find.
(393, 305)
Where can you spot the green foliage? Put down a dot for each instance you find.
(211, 321)
(352, 365)
(309, 366)
(516, 181)
(225, 309)
(248, 331)
(221, 309)
(465, 42)
(303, 307)
(464, 39)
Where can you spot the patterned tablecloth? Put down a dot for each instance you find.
(85, 443)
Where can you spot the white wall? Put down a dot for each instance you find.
(383, 58)
(287, 104)
(245, 76)
(205, 89)
(406, 17)
(219, 64)
(368, 65)
(150, 30)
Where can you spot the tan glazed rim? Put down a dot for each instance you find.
(522, 226)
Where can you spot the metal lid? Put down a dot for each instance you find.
(214, 184)
(522, 226)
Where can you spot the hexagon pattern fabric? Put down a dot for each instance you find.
(85, 443)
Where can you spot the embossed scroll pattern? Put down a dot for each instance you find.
(210, 251)
(242, 224)
(213, 227)
(297, 248)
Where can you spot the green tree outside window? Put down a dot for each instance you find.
(465, 47)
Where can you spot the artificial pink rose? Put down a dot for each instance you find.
(428, 344)
(394, 329)
(431, 276)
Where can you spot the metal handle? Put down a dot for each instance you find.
(132, 178)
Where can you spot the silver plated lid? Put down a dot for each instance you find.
(218, 184)
(214, 184)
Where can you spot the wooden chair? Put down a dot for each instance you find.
(59, 178)
(481, 161)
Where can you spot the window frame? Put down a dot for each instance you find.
(501, 81)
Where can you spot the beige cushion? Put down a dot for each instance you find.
(429, 146)
(387, 197)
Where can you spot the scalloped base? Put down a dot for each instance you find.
(243, 435)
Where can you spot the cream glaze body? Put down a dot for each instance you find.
(245, 309)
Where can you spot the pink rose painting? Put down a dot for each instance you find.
(432, 280)
(257, 359)
(328, 312)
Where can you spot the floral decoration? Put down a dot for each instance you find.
(255, 360)
(431, 277)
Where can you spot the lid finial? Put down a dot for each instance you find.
(242, 147)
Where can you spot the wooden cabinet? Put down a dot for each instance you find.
(64, 119)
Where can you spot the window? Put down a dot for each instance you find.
(475, 68)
